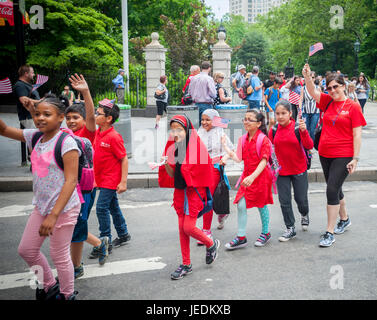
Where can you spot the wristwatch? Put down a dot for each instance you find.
(356, 158)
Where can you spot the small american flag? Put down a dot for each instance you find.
(315, 47)
(107, 103)
(5, 86)
(40, 80)
(294, 98)
(220, 122)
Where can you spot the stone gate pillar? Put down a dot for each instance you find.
(221, 59)
(155, 66)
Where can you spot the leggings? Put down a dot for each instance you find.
(242, 218)
(187, 223)
(335, 171)
(207, 218)
(60, 241)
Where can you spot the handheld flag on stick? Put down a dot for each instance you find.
(5, 86)
(220, 122)
(315, 48)
(40, 81)
(294, 98)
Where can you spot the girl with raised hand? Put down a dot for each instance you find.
(56, 200)
(256, 185)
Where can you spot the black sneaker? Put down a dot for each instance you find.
(61, 296)
(289, 234)
(95, 254)
(181, 272)
(121, 240)
(211, 253)
(305, 222)
(103, 251)
(42, 295)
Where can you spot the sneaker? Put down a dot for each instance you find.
(79, 271)
(181, 272)
(263, 239)
(327, 239)
(342, 226)
(208, 234)
(61, 296)
(236, 243)
(103, 251)
(289, 234)
(305, 222)
(221, 219)
(96, 253)
(42, 295)
(121, 240)
(211, 253)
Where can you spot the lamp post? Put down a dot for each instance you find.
(125, 42)
(289, 69)
(356, 47)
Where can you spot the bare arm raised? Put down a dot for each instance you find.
(313, 91)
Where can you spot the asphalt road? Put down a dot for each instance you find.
(298, 269)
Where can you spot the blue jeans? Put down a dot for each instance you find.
(311, 122)
(254, 104)
(107, 203)
(202, 107)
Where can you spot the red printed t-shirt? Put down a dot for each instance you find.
(85, 133)
(338, 123)
(109, 150)
(288, 150)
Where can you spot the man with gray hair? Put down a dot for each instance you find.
(237, 82)
(194, 70)
(118, 82)
(255, 98)
(202, 89)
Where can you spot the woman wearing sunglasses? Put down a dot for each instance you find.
(339, 146)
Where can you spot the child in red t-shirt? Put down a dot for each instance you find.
(292, 159)
(110, 171)
(81, 120)
(256, 185)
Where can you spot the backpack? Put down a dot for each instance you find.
(270, 93)
(85, 172)
(272, 163)
(308, 156)
(187, 99)
(245, 90)
(221, 196)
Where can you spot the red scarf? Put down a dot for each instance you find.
(197, 165)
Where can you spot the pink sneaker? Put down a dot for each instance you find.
(208, 234)
(221, 219)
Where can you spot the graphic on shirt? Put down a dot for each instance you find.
(41, 162)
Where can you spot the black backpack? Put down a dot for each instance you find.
(221, 196)
(308, 155)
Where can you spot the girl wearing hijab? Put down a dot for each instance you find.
(211, 137)
(187, 169)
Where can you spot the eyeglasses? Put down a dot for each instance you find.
(333, 87)
(281, 75)
(249, 120)
(99, 114)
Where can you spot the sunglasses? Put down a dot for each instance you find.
(333, 87)
(249, 120)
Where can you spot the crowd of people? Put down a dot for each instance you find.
(273, 152)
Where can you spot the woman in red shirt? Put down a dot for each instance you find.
(292, 159)
(339, 146)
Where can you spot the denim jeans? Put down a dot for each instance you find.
(107, 204)
(254, 104)
(202, 107)
(311, 122)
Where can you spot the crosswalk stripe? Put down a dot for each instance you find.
(25, 279)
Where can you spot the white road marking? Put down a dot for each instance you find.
(15, 211)
(146, 205)
(374, 206)
(16, 280)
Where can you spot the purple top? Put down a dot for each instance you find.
(202, 88)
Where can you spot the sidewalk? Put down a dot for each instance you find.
(148, 145)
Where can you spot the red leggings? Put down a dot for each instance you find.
(187, 223)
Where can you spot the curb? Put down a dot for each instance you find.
(17, 184)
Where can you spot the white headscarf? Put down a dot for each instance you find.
(212, 138)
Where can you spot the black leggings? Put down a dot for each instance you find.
(335, 171)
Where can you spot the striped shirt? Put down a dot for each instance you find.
(308, 103)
